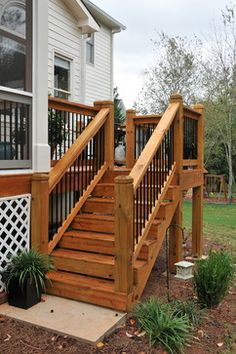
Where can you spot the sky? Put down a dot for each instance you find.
(133, 49)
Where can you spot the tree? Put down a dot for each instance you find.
(220, 86)
(175, 69)
(118, 108)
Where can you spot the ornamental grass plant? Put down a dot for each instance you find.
(162, 325)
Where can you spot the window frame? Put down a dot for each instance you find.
(90, 49)
(55, 89)
(24, 40)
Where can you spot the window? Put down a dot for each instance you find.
(90, 49)
(15, 45)
(62, 73)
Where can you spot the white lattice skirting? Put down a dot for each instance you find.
(14, 227)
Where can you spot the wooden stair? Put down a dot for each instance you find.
(84, 257)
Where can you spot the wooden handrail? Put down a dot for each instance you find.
(153, 144)
(69, 158)
(191, 113)
(71, 107)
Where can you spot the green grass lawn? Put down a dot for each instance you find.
(219, 223)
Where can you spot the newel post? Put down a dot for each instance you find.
(130, 138)
(197, 207)
(124, 234)
(176, 236)
(109, 132)
(39, 215)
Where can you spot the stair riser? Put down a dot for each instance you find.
(109, 178)
(94, 225)
(99, 207)
(95, 269)
(104, 247)
(96, 297)
(103, 191)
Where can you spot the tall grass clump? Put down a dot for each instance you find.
(162, 326)
(188, 308)
(212, 278)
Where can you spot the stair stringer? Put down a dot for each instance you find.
(144, 273)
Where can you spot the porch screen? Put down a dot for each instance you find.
(15, 83)
(15, 44)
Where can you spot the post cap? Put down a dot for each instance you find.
(176, 97)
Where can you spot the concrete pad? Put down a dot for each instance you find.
(86, 322)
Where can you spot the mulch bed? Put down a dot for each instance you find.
(214, 335)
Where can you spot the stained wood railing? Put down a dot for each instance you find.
(143, 191)
(66, 121)
(70, 182)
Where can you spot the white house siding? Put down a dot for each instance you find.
(64, 39)
(98, 77)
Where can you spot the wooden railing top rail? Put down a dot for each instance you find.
(191, 113)
(153, 144)
(72, 107)
(69, 158)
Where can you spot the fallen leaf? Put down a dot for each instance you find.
(220, 345)
(60, 347)
(132, 321)
(2, 319)
(8, 338)
(129, 335)
(140, 333)
(43, 299)
(201, 333)
(100, 345)
(53, 339)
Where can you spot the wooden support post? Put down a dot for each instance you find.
(124, 234)
(175, 233)
(197, 221)
(109, 132)
(40, 207)
(197, 206)
(130, 138)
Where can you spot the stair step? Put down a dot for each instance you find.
(111, 175)
(104, 190)
(92, 264)
(88, 241)
(99, 205)
(83, 288)
(93, 222)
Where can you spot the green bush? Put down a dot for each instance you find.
(28, 265)
(162, 326)
(187, 308)
(212, 278)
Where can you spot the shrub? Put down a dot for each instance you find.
(162, 326)
(187, 308)
(28, 265)
(212, 278)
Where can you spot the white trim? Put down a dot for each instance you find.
(15, 172)
(40, 148)
(16, 92)
(71, 59)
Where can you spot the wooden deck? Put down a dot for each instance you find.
(104, 226)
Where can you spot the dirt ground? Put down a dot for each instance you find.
(216, 334)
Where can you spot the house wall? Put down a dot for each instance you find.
(64, 38)
(89, 82)
(98, 77)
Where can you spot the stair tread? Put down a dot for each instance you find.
(95, 217)
(83, 256)
(101, 200)
(90, 235)
(91, 257)
(82, 280)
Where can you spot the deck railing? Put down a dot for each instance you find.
(73, 177)
(15, 131)
(66, 121)
(138, 196)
